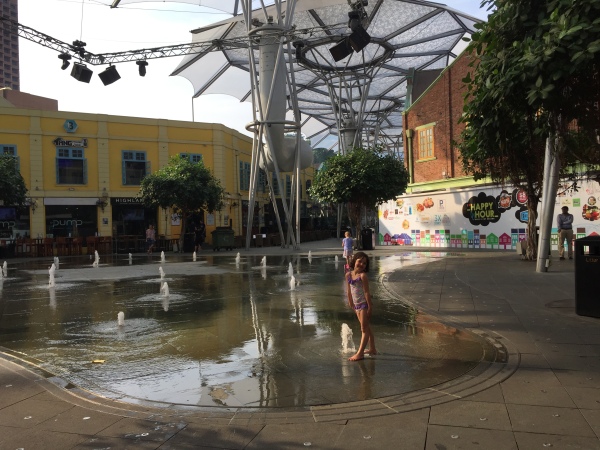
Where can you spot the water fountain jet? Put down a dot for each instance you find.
(237, 259)
(51, 282)
(347, 342)
(5, 270)
(290, 270)
(263, 261)
(293, 283)
(194, 256)
(121, 318)
(162, 257)
(96, 262)
(162, 273)
(164, 290)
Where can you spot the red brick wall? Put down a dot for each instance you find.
(442, 104)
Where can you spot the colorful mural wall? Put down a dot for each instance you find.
(484, 217)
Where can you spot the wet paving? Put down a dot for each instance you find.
(258, 332)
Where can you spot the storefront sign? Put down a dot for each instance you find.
(126, 201)
(60, 142)
(481, 210)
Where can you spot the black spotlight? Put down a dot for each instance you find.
(110, 75)
(142, 67)
(65, 59)
(340, 50)
(298, 45)
(81, 73)
(359, 39)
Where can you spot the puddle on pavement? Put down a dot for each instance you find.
(228, 334)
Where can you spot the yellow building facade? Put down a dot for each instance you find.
(83, 173)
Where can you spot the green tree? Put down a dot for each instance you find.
(534, 81)
(322, 154)
(13, 191)
(184, 186)
(362, 178)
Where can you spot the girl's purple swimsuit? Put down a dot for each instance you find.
(358, 293)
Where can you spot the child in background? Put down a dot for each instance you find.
(347, 244)
(359, 299)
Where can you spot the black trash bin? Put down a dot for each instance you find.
(222, 238)
(587, 270)
(366, 236)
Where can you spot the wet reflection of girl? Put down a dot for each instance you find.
(359, 299)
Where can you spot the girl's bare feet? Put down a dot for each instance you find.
(356, 357)
(370, 352)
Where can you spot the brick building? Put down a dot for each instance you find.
(431, 125)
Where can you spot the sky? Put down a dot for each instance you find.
(133, 26)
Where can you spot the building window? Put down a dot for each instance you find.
(135, 167)
(244, 176)
(10, 150)
(262, 180)
(275, 185)
(288, 186)
(71, 166)
(192, 157)
(425, 143)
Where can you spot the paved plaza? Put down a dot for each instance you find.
(543, 391)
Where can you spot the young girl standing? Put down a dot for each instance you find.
(347, 244)
(359, 298)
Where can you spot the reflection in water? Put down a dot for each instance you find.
(229, 336)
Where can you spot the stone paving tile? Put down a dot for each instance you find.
(457, 438)
(533, 361)
(534, 440)
(571, 362)
(107, 442)
(85, 421)
(407, 430)
(15, 438)
(593, 418)
(30, 412)
(549, 420)
(142, 430)
(471, 414)
(578, 378)
(296, 436)
(537, 395)
(585, 398)
(491, 395)
(197, 435)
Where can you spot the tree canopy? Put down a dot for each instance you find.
(535, 76)
(184, 186)
(13, 191)
(362, 178)
(322, 154)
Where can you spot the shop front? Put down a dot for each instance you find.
(129, 221)
(71, 217)
(14, 223)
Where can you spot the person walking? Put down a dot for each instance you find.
(564, 222)
(150, 238)
(200, 235)
(359, 299)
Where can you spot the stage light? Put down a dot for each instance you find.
(359, 39)
(65, 59)
(298, 45)
(341, 50)
(81, 73)
(142, 67)
(109, 76)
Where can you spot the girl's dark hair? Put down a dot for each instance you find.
(359, 255)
